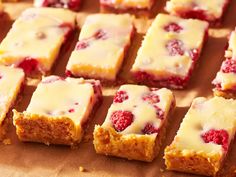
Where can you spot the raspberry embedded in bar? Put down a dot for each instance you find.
(103, 43)
(59, 111)
(169, 52)
(225, 80)
(136, 123)
(211, 11)
(204, 137)
(35, 50)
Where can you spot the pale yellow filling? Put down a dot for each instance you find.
(139, 4)
(72, 98)
(143, 111)
(103, 57)
(216, 113)
(10, 84)
(213, 8)
(231, 52)
(153, 55)
(36, 34)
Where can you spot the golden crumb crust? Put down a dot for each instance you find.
(40, 128)
(196, 163)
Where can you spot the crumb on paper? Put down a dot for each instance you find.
(7, 141)
(82, 169)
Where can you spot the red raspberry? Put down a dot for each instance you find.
(159, 112)
(68, 73)
(100, 34)
(228, 66)
(121, 120)
(175, 47)
(71, 110)
(74, 5)
(81, 45)
(29, 65)
(173, 27)
(220, 137)
(151, 98)
(143, 76)
(194, 54)
(120, 96)
(150, 129)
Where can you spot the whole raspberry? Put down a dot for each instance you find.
(175, 47)
(228, 66)
(220, 137)
(151, 98)
(120, 96)
(29, 65)
(150, 129)
(173, 27)
(121, 120)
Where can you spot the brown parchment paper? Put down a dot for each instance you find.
(38, 160)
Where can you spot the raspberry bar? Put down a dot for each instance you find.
(211, 11)
(102, 45)
(68, 4)
(169, 51)
(58, 111)
(138, 7)
(204, 137)
(11, 81)
(225, 81)
(136, 123)
(35, 39)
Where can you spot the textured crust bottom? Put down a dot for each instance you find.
(225, 94)
(133, 147)
(45, 130)
(4, 128)
(194, 163)
(41, 129)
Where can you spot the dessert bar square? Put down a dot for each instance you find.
(204, 137)
(35, 39)
(169, 51)
(225, 81)
(103, 43)
(135, 124)
(211, 11)
(11, 81)
(138, 7)
(69, 4)
(58, 111)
